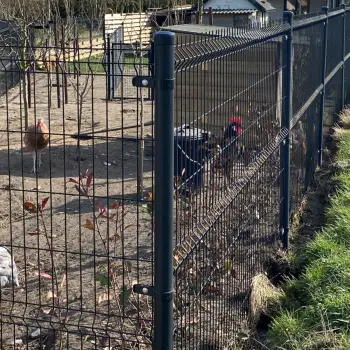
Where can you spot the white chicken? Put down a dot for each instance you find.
(8, 269)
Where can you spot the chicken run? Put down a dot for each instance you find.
(58, 241)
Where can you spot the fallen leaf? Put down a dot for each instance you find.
(89, 224)
(44, 275)
(34, 233)
(36, 333)
(30, 207)
(104, 297)
(51, 295)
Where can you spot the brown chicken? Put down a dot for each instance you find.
(36, 140)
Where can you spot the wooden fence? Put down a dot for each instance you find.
(137, 26)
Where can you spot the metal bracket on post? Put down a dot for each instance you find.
(285, 147)
(144, 289)
(143, 82)
(323, 92)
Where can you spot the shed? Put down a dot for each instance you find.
(239, 13)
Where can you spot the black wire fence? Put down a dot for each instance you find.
(9, 37)
(152, 211)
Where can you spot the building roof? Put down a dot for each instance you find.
(195, 29)
(237, 6)
(264, 5)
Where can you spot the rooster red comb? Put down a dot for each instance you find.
(236, 120)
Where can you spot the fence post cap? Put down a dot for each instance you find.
(288, 15)
(164, 38)
(325, 9)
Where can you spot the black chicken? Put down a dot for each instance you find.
(226, 148)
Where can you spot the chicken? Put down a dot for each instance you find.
(8, 269)
(36, 140)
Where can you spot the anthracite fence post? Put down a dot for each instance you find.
(324, 71)
(164, 184)
(343, 56)
(286, 117)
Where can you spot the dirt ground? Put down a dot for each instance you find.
(77, 251)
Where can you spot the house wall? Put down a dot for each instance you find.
(221, 20)
(279, 6)
(230, 20)
(316, 5)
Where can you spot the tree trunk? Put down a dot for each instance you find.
(24, 65)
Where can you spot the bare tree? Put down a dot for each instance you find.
(23, 14)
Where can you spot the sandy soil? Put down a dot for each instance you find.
(78, 252)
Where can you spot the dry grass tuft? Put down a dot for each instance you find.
(338, 132)
(344, 118)
(264, 298)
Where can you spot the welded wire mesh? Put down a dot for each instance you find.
(304, 150)
(79, 228)
(334, 42)
(307, 65)
(332, 101)
(227, 113)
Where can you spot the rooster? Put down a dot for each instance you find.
(36, 140)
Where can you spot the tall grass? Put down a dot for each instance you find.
(315, 312)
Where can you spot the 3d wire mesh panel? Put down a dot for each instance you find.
(127, 61)
(144, 187)
(304, 148)
(73, 176)
(228, 100)
(307, 63)
(333, 101)
(334, 40)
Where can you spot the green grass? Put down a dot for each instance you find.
(94, 64)
(315, 312)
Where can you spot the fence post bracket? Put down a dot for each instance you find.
(143, 82)
(150, 291)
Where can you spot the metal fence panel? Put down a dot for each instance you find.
(9, 71)
(227, 186)
(92, 226)
(79, 229)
